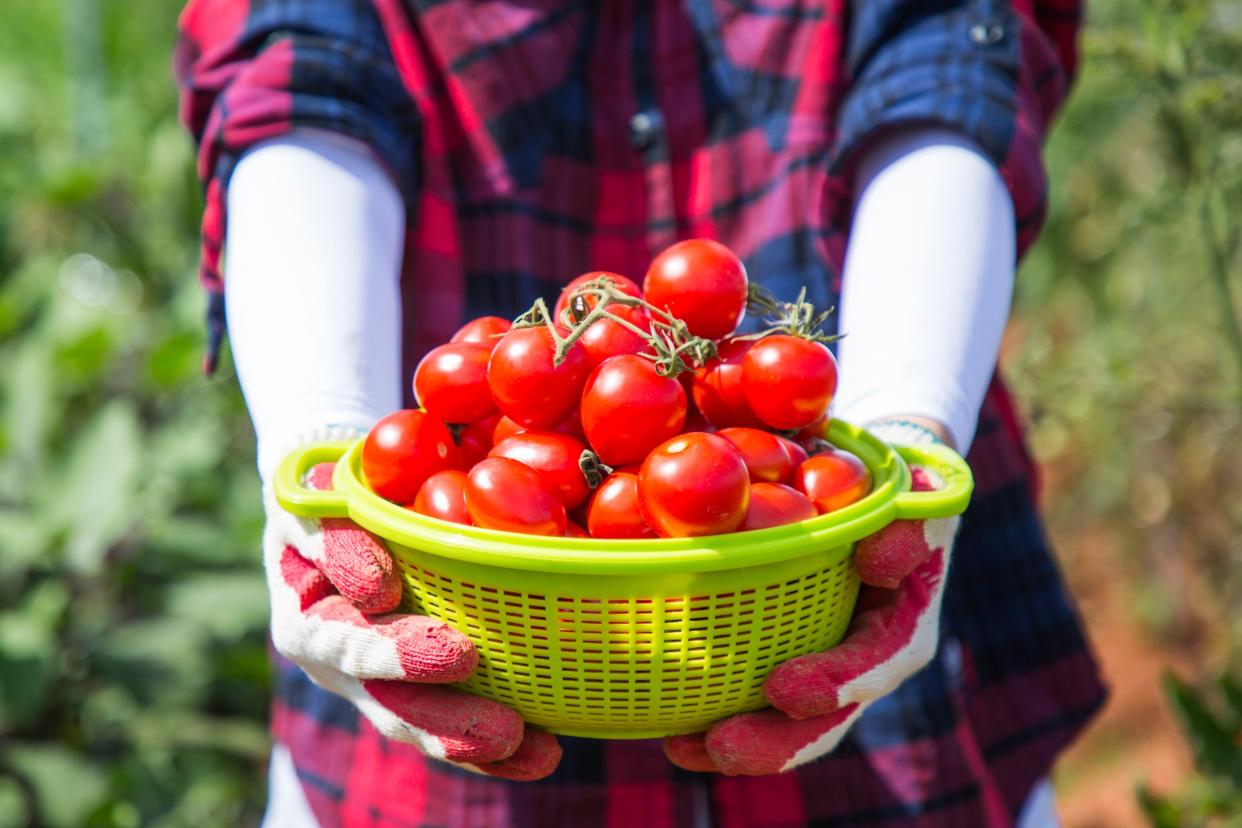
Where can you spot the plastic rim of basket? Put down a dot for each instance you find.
(890, 499)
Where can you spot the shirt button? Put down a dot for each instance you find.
(987, 33)
(644, 126)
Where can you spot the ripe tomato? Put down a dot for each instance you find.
(486, 330)
(511, 496)
(575, 530)
(443, 496)
(701, 282)
(505, 428)
(613, 510)
(789, 381)
(525, 383)
(404, 449)
(628, 409)
(766, 457)
(475, 440)
(555, 456)
(620, 282)
(695, 484)
(717, 387)
(451, 382)
(796, 452)
(833, 480)
(606, 338)
(773, 504)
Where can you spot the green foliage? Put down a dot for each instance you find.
(133, 679)
(1126, 351)
(1214, 796)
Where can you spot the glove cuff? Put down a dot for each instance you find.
(899, 431)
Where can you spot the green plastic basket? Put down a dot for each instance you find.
(629, 639)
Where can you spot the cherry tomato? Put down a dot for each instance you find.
(451, 382)
(571, 425)
(606, 338)
(695, 484)
(575, 530)
(773, 504)
(404, 449)
(511, 496)
(766, 457)
(701, 282)
(620, 282)
(443, 496)
(796, 453)
(717, 387)
(555, 456)
(613, 509)
(789, 381)
(525, 383)
(833, 480)
(475, 440)
(486, 330)
(628, 409)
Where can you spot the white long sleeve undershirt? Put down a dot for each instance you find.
(313, 256)
(312, 268)
(928, 279)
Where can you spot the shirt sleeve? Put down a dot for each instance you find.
(249, 72)
(995, 71)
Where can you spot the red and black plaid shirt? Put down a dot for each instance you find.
(535, 141)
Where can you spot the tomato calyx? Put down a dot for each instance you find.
(798, 318)
(673, 349)
(593, 469)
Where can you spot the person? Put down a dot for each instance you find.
(386, 170)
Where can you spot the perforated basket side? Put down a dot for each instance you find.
(634, 657)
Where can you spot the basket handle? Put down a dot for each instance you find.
(941, 503)
(294, 497)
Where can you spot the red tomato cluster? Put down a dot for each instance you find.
(576, 431)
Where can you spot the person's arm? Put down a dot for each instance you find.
(313, 261)
(928, 279)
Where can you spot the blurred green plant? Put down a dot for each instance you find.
(1126, 350)
(133, 675)
(1213, 797)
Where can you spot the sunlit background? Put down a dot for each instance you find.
(133, 678)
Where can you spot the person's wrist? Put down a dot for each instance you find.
(908, 429)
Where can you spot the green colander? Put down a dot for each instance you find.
(630, 639)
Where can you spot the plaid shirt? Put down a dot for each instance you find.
(536, 141)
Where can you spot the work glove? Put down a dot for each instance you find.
(816, 698)
(334, 591)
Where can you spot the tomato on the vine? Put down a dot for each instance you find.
(833, 480)
(613, 509)
(766, 456)
(621, 283)
(717, 387)
(404, 449)
(443, 496)
(629, 408)
(789, 381)
(511, 496)
(555, 456)
(694, 484)
(451, 382)
(486, 330)
(701, 282)
(775, 504)
(607, 337)
(526, 384)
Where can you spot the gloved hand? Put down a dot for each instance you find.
(334, 588)
(816, 698)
